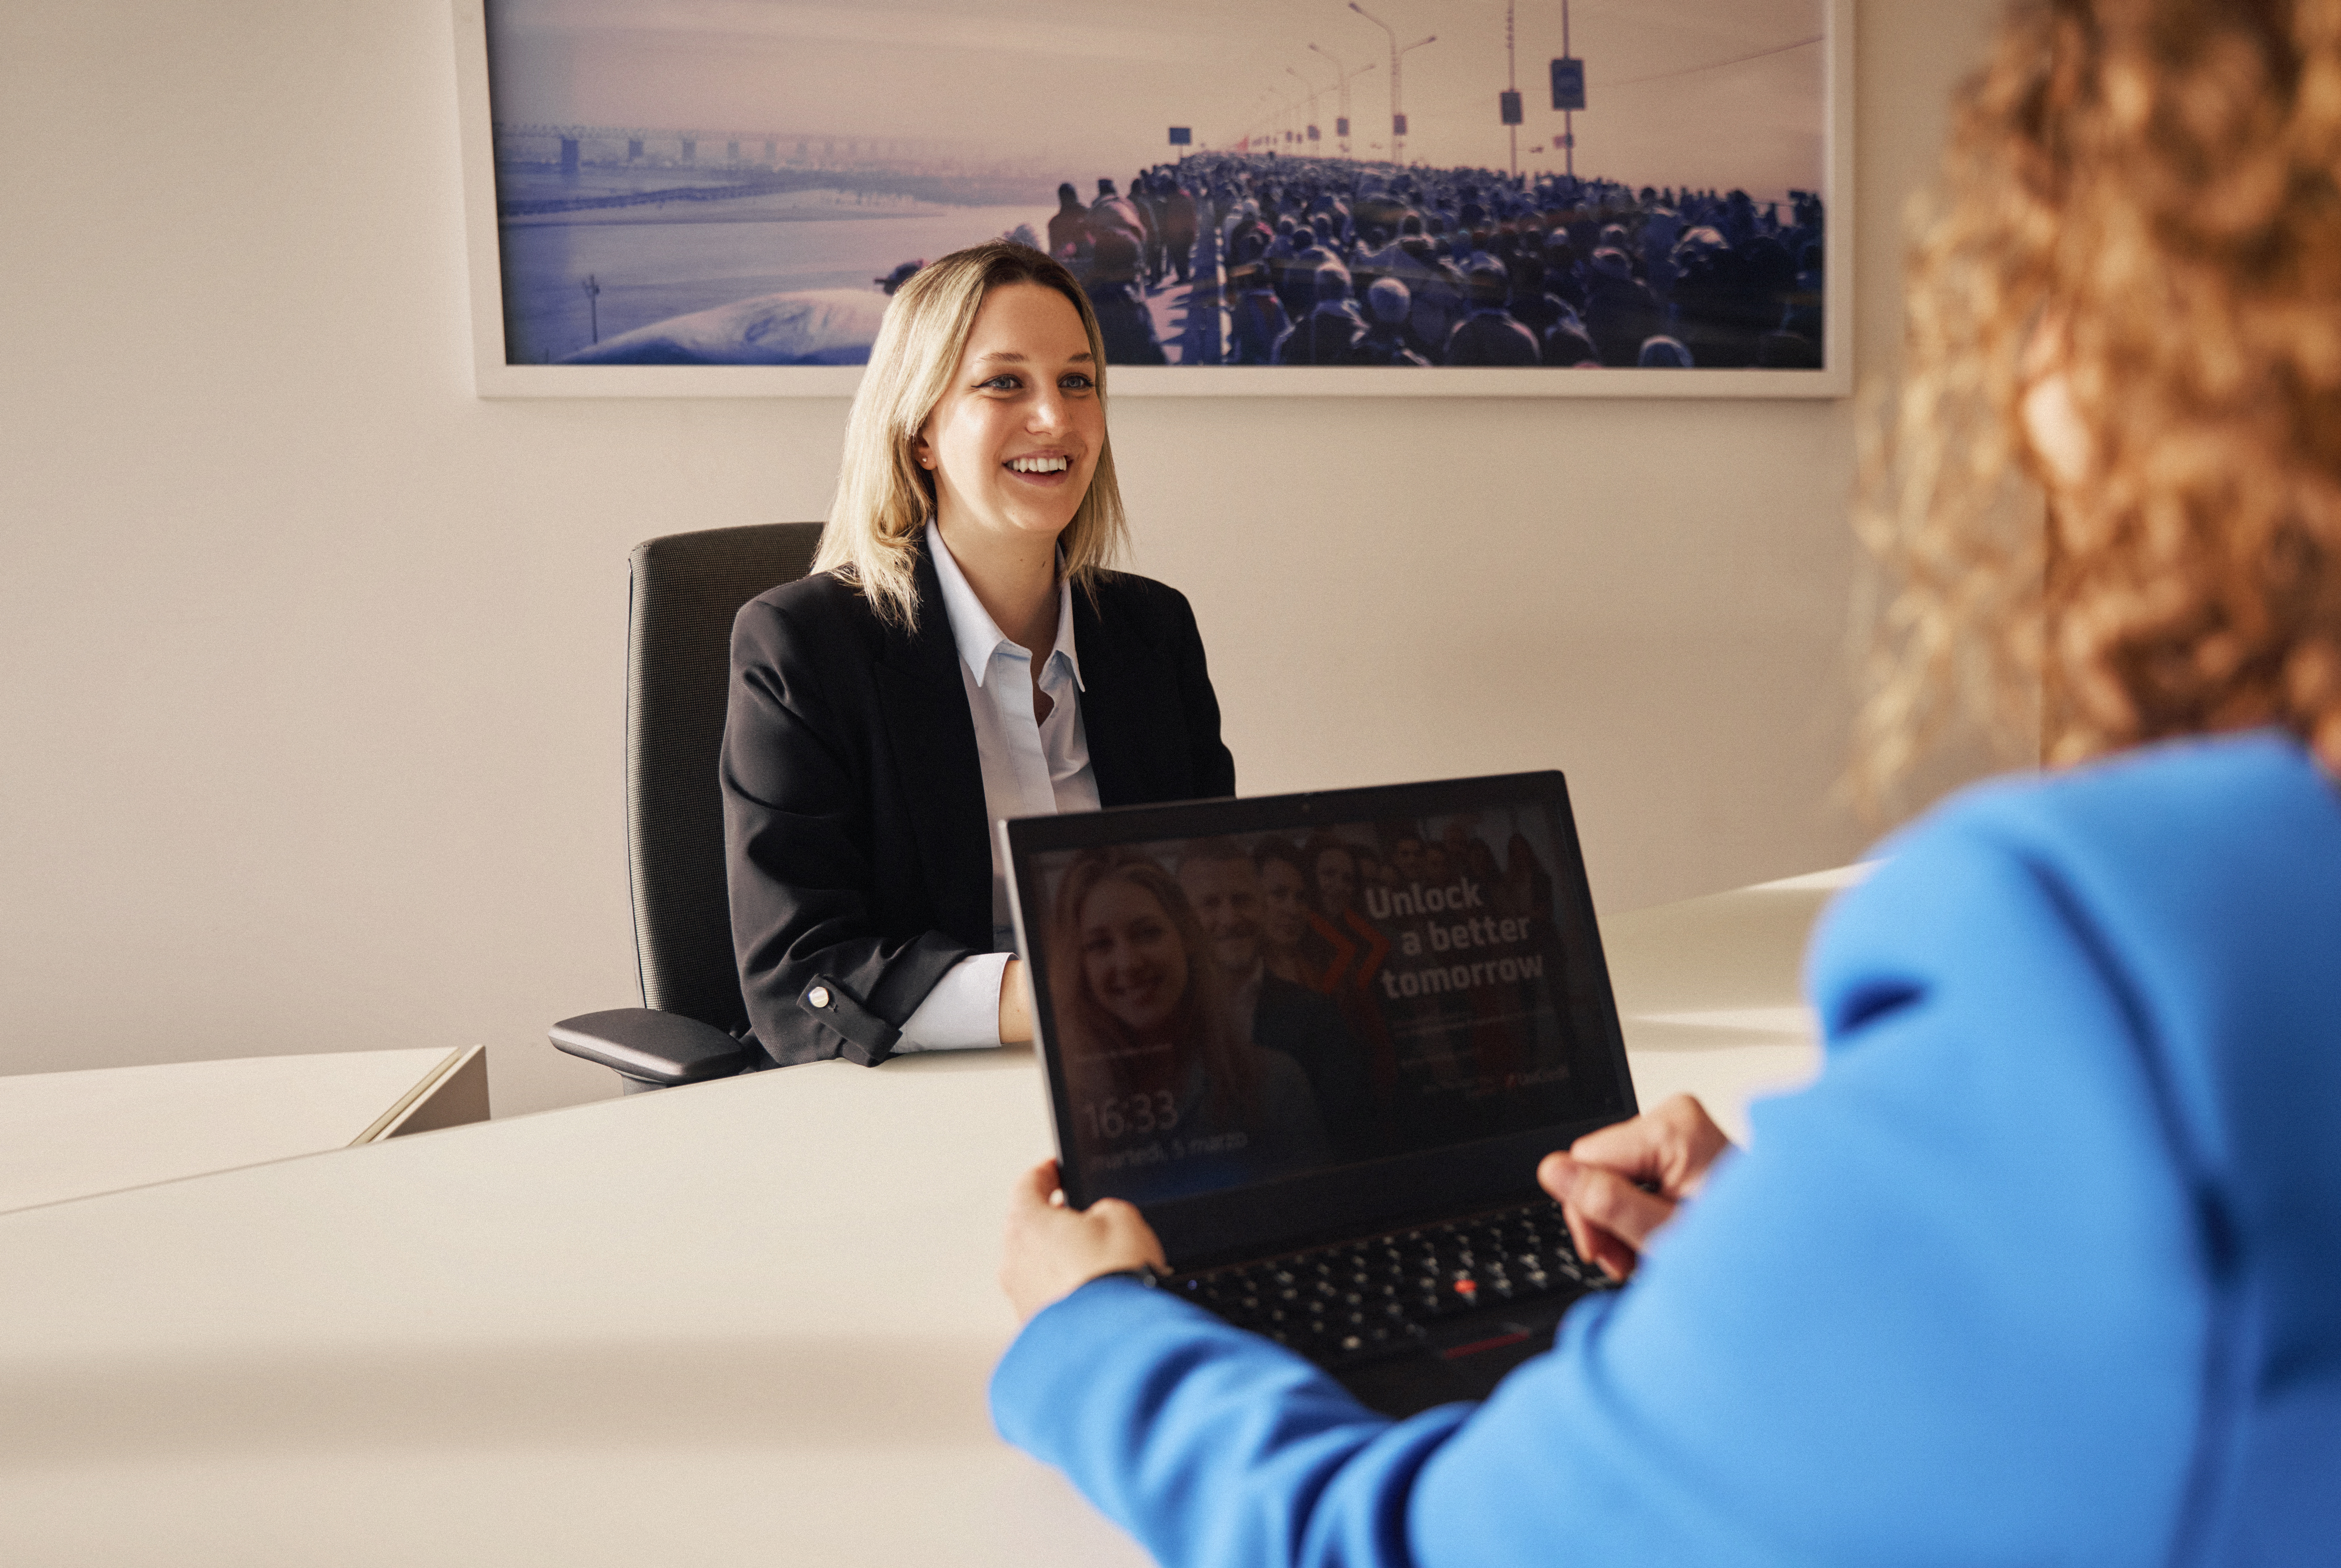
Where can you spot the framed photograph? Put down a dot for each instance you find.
(1570, 198)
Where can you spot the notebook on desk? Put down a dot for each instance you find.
(1321, 1041)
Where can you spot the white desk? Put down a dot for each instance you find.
(1707, 992)
(72, 1135)
(748, 1321)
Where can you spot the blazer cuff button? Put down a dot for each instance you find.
(818, 996)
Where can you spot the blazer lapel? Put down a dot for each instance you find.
(926, 716)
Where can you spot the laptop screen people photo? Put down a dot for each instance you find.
(1293, 985)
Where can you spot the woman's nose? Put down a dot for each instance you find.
(1047, 413)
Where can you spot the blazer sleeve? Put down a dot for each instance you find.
(829, 964)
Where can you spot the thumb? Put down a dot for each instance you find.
(1557, 1173)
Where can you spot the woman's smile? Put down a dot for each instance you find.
(1044, 471)
(1131, 957)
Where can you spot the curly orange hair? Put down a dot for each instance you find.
(2144, 192)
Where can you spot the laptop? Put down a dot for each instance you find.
(1321, 1042)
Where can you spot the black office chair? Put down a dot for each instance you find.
(686, 588)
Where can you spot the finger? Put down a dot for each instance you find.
(1032, 1189)
(1581, 1234)
(1553, 1174)
(1558, 1175)
(1598, 1247)
(1636, 1148)
(1612, 1257)
(1611, 1203)
(1672, 1144)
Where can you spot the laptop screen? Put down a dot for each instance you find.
(1245, 992)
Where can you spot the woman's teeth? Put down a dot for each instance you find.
(1040, 464)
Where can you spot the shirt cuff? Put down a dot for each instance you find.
(962, 1012)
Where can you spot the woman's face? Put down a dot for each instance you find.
(1015, 440)
(1284, 908)
(1336, 878)
(1131, 957)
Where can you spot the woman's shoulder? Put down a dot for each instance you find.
(1127, 603)
(819, 594)
(2190, 858)
(2255, 804)
(1136, 593)
(822, 611)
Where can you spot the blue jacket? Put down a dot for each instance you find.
(2045, 1268)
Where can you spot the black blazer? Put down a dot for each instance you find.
(853, 814)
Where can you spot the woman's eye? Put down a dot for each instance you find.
(1003, 382)
(1076, 383)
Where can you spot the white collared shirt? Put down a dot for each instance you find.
(1030, 769)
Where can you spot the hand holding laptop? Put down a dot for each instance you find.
(1053, 1250)
(1619, 1186)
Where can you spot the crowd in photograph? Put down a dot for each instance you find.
(1277, 1003)
(1335, 262)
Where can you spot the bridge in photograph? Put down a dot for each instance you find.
(718, 148)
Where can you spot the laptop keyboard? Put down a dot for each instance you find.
(1356, 1301)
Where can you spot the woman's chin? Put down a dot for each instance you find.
(1146, 1023)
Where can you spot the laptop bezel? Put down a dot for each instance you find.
(1360, 1198)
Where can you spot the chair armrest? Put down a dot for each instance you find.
(663, 1048)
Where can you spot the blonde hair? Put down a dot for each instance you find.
(883, 496)
(2147, 187)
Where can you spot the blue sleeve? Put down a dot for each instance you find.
(1946, 1309)
(1209, 1444)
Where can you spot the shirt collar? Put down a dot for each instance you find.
(978, 636)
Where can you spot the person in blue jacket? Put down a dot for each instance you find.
(2046, 1267)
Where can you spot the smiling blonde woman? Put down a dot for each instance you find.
(960, 654)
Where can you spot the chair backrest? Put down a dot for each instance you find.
(687, 587)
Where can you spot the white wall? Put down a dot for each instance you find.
(309, 731)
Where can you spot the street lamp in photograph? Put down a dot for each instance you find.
(1507, 106)
(1292, 114)
(1343, 76)
(1568, 92)
(1272, 125)
(1398, 112)
(1311, 137)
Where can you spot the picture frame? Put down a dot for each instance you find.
(769, 171)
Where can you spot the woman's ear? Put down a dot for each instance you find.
(2059, 439)
(2051, 423)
